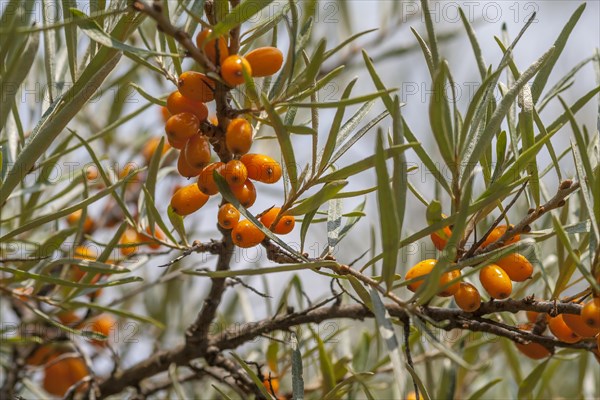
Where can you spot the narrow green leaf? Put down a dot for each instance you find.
(262, 388)
(478, 394)
(265, 270)
(526, 387)
(315, 201)
(390, 235)
(283, 137)
(325, 365)
(365, 163)
(177, 222)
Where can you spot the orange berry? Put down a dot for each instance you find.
(532, 350)
(516, 266)
(214, 120)
(102, 324)
(150, 148)
(228, 216)
(238, 137)
(176, 144)
(246, 193)
(262, 168)
(129, 238)
(425, 267)
(88, 224)
(562, 331)
(165, 113)
(591, 313)
(235, 173)
(188, 199)
(272, 384)
(246, 234)
(181, 127)
(422, 268)
(467, 297)
(212, 46)
(447, 278)
(284, 226)
(196, 86)
(41, 355)
(91, 173)
(579, 325)
(265, 61)
(438, 240)
(59, 376)
(177, 103)
(185, 168)
(232, 70)
(206, 181)
(68, 317)
(197, 151)
(496, 233)
(158, 234)
(495, 281)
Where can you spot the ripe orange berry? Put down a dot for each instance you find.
(422, 268)
(235, 173)
(447, 278)
(185, 168)
(238, 137)
(591, 313)
(91, 173)
(213, 46)
(562, 331)
(197, 151)
(150, 148)
(467, 297)
(532, 350)
(197, 86)
(262, 168)
(246, 193)
(41, 355)
(246, 234)
(206, 181)
(165, 113)
(265, 61)
(232, 70)
(495, 281)
(129, 238)
(284, 226)
(59, 376)
(102, 324)
(176, 144)
(438, 240)
(181, 127)
(228, 216)
(68, 317)
(579, 325)
(516, 266)
(188, 199)
(272, 384)
(177, 103)
(496, 233)
(158, 234)
(88, 224)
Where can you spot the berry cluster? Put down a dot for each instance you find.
(497, 280)
(186, 128)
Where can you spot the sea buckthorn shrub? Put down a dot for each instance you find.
(247, 199)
